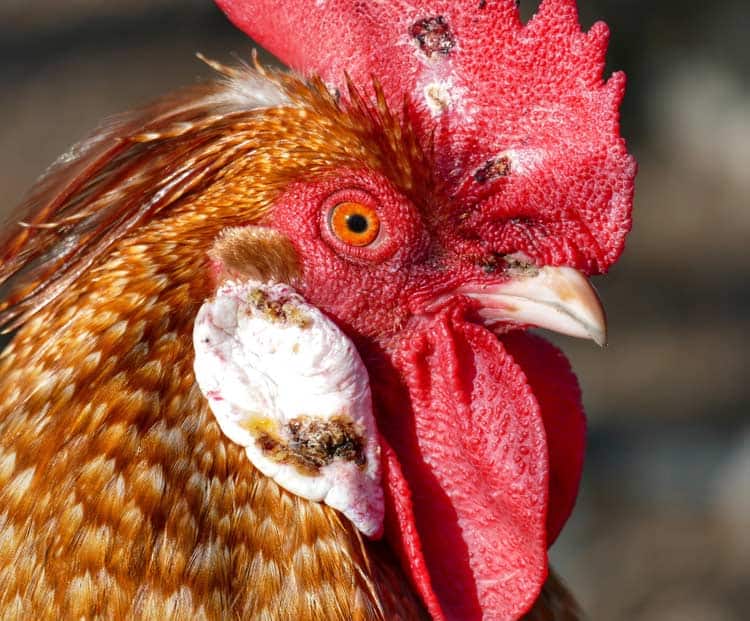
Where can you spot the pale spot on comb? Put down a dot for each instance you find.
(438, 97)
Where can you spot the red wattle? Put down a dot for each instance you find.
(556, 390)
(467, 496)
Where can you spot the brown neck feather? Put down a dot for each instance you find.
(122, 498)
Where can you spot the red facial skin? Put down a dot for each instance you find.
(476, 484)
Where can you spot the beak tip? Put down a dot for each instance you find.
(599, 332)
(560, 299)
(597, 329)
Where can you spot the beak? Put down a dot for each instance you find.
(556, 298)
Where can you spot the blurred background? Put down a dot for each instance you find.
(662, 527)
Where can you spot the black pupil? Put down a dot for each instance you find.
(356, 223)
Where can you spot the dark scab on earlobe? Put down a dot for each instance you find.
(309, 444)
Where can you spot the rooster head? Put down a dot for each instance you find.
(504, 184)
(442, 177)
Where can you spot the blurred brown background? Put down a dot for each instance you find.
(662, 528)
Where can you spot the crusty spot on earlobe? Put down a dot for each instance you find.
(254, 252)
(308, 444)
(275, 311)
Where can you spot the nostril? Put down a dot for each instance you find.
(491, 263)
(520, 264)
(515, 263)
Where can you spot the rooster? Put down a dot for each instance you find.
(434, 178)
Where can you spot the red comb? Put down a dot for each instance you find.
(494, 94)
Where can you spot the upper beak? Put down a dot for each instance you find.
(557, 298)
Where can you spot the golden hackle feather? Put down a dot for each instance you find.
(143, 164)
(119, 496)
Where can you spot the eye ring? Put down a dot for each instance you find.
(368, 200)
(354, 223)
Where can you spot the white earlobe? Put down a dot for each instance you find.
(287, 384)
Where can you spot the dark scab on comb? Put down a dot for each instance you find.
(434, 36)
(492, 169)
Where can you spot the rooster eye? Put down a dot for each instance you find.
(354, 223)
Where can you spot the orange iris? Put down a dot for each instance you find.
(354, 223)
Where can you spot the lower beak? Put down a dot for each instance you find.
(557, 298)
